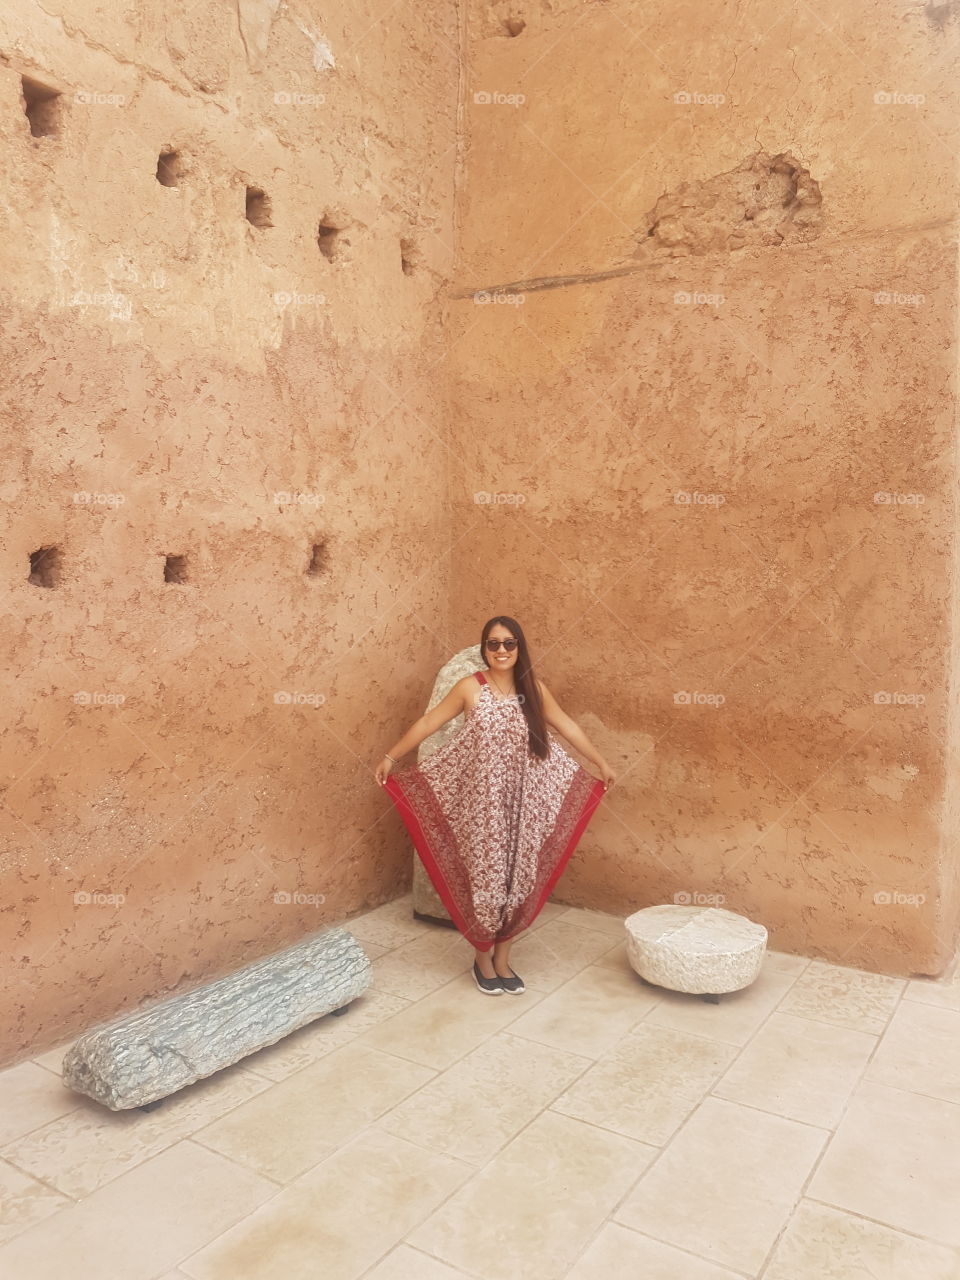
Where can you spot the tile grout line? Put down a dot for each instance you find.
(126, 1111)
(589, 1063)
(505, 1029)
(5, 1154)
(833, 1026)
(878, 1222)
(482, 1168)
(643, 1235)
(694, 1110)
(192, 1134)
(777, 1115)
(71, 1200)
(359, 1038)
(513, 1138)
(468, 1275)
(910, 1093)
(287, 1186)
(473, 1169)
(815, 1167)
(225, 1155)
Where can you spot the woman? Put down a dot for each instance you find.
(496, 812)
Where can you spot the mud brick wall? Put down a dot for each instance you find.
(224, 400)
(330, 331)
(706, 393)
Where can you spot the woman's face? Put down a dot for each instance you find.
(499, 659)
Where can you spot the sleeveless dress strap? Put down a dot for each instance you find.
(481, 677)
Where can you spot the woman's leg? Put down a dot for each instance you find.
(485, 963)
(501, 955)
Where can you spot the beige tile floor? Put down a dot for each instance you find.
(593, 1128)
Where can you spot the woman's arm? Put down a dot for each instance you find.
(430, 722)
(558, 719)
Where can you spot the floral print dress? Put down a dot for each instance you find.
(494, 825)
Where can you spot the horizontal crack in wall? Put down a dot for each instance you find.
(543, 282)
(765, 202)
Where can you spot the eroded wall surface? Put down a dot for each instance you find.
(223, 461)
(706, 336)
(690, 396)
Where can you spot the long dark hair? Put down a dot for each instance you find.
(526, 685)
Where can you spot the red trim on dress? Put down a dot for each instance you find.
(413, 826)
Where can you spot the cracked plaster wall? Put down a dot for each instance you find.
(182, 367)
(710, 252)
(165, 349)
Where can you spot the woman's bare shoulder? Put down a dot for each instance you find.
(458, 698)
(465, 682)
(469, 687)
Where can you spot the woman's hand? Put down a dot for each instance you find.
(607, 775)
(382, 771)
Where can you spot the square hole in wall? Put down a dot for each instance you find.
(409, 257)
(327, 239)
(259, 213)
(330, 233)
(175, 569)
(170, 168)
(318, 559)
(42, 107)
(45, 567)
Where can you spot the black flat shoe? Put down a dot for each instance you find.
(489, 986)
(514, 984)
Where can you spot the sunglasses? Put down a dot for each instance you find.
(509, 645)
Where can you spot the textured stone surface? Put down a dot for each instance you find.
(258, 400)
(169, 353)
(697, 949)
(150, 1054)
(765, 201)
(689, 452)
(426, 901)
